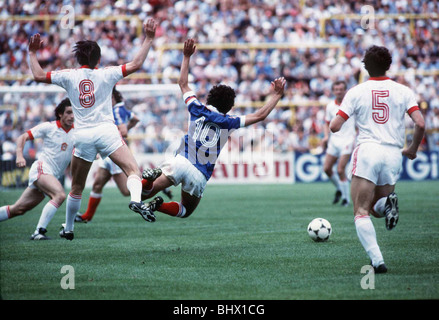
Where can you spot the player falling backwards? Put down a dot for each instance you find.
(379, 106)
(89, 90)
(209, 129)
(46, 171)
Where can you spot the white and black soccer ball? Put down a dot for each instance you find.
(319, 229)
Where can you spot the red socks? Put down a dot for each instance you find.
(174, 209)
(93, 203)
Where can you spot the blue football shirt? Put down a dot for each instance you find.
(121, 114)
(208, 132)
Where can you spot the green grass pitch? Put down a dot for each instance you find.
(244, 242)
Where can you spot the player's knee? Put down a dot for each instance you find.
(341, 172)
(328, 171)
(97, 188)
(60, 197)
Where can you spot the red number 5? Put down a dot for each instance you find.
(381, 110)
(86, 93)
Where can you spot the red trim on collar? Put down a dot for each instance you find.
(58, 124)
(86, 67)
(379, 78)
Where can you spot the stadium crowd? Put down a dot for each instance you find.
(318, 57)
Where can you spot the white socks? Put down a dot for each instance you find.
(366, 234)
(49, 211)
(335, 180)
(379, 206)
(134, 185)
(4, 213)
(345, 190)
(72, 207)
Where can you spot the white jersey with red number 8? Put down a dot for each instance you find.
(90, 92)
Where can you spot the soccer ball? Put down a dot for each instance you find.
(319, 229)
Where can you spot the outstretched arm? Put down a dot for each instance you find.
(34, 45)
(149, 27)
(278, 86)
(188, 51)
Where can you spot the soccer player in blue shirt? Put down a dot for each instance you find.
(209, 129)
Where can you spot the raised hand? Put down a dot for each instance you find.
(278, 85)
(150, 27)
(189, 47)
(35, 43)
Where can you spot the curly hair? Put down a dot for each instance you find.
(221, 97)
(61, 107)
(87, 53)
(377, 61)
(117, 95)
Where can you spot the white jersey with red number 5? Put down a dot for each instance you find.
(379, 106)
(90, 92)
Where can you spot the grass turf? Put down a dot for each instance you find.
(244, 242)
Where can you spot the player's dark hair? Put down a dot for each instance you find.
(221, 97)
(377, 61)
(61, 107)
(87, 53)
(117, 95)
(336, 83)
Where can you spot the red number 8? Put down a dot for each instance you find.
(86, 93)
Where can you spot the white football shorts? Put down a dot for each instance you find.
(338, 147)
(110, 166)
(380, 164)
(36, 170)
(180, 170)
(103, 139)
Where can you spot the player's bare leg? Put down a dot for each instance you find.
(330, 160)
(121, 181)
(126, 161)
(159, 184)
(385, 204)
(50, 186)
(28, 200)
(363, 192)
